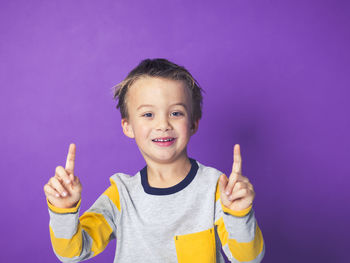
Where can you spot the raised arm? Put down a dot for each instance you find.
(240, 235)
(75, 239)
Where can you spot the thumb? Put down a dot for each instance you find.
(74, 180)
(71, 178)
(223, 180)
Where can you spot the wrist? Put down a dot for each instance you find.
(238, 213)
(64, 210)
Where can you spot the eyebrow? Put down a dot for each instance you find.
(175, 104)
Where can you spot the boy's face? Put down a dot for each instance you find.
(159, 109)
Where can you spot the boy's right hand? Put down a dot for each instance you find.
(64, 189)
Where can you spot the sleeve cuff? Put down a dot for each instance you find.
(58, 210)
(240, 213)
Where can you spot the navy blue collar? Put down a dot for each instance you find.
(170, 190)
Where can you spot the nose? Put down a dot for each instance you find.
(163, 124)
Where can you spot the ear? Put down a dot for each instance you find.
(127, 128)
(194, 127)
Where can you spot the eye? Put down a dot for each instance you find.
(147, 115)
(177, 113)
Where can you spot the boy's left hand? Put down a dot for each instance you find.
(240, 191)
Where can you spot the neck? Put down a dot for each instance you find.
(169, 171)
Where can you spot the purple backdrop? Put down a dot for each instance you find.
(276, 76)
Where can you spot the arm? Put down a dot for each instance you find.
(75, 239)
(240, 235)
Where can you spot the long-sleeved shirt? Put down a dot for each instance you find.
(183, 223)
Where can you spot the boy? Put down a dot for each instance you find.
(173, 210)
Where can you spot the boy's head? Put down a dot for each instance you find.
(160, 104)
(160, 68)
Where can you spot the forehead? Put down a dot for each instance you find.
(157, 92)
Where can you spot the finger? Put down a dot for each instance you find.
(237, 160)
(238, 186)
(236, 169)
(248, 183)
(62, 174)
(57, 186)
(50, 191)
(222, 182)
(77, 181)
(71, 158)
(239, 194)
(72, 178)
(76, 185)
(231, 183)
(242, 178)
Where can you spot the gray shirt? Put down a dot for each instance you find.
(182, 223)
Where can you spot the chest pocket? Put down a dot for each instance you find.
(196, 247)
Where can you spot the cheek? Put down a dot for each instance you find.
(185, 129)
(141, 131)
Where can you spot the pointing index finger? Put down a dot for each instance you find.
(237, 160)
(70, 158)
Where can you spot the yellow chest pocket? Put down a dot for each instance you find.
(196, 247)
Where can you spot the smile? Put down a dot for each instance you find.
(163, 140)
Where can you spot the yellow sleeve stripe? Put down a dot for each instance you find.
(222, 232)
(113, 194)
(63, 210)
(244, 251)
(239, 213)
(98, 229)
(95, 225)
(247, 251)
(68, 248)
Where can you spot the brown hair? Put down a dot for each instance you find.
(160, 67)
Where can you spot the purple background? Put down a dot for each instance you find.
(276, 76)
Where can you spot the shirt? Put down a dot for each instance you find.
(183, 223)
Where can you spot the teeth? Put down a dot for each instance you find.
(161, 140)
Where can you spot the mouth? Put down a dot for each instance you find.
(165, 139)
(164, 142)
